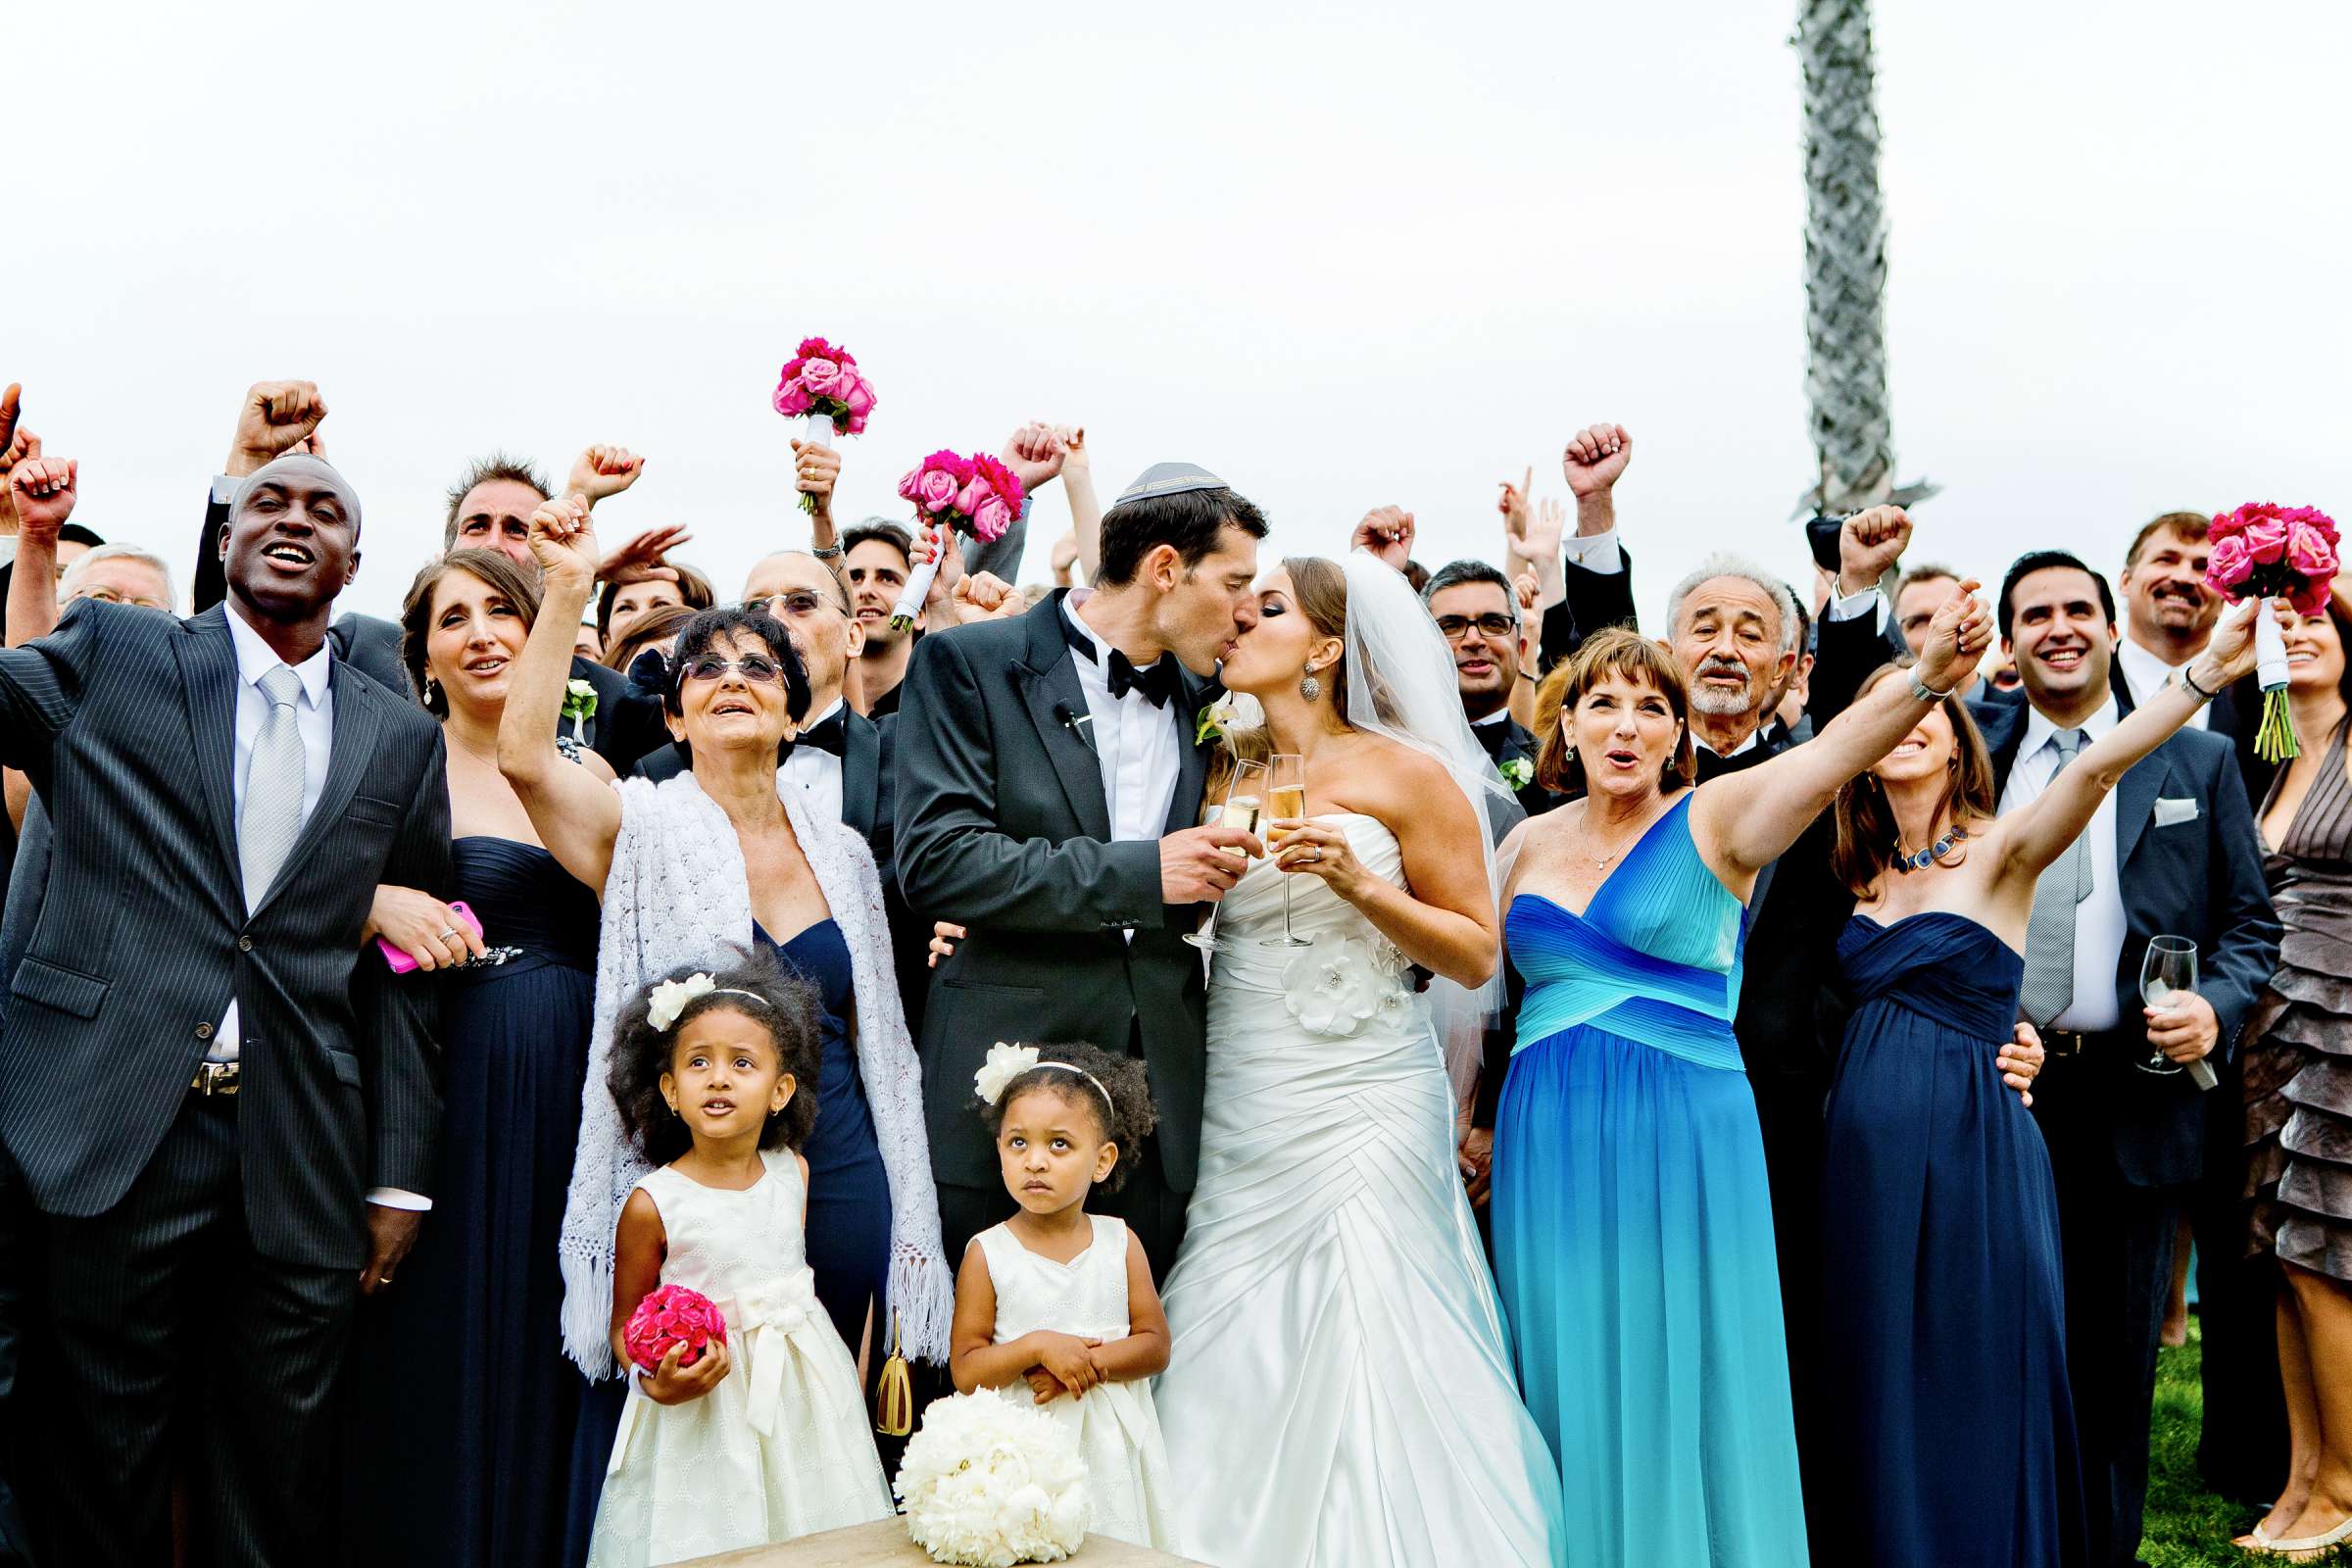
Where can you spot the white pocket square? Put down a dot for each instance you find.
(2169, 812)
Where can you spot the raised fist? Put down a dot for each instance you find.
(1073, 446)
(277, 415)
(1594, 458)
(985, 596)
(565, 541)
(1869, 546)
(604, 470)
(1034, 454)
(42, 491)
(1956, 639)
(1387, 533)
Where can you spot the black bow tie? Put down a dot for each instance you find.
(1493, 737)
(829, 734)
(1158, 682)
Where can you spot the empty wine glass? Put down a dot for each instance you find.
(1286, 802)
(1245, 796)
(2171, 965)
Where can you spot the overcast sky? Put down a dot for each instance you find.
(1343, 254)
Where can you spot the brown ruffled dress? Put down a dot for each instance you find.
(2298, 1069)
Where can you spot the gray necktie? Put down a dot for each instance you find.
(2049, 985)
(274, 776)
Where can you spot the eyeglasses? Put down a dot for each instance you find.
(755, 669)
(1489, 625)
(113, 596)
(796, 602)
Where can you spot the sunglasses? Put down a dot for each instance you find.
(1451, 627)
(754, 669)
(797, 602)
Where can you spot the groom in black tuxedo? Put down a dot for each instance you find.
(1049, 785)
(222, 1106)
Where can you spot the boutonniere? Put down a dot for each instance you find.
(579, 704)
(1518, 772)
(1214, 720)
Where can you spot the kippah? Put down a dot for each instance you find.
(1170, 479)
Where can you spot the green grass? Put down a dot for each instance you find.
(2187, 1527)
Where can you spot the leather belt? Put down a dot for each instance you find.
(214, 1078)
(2059, 1043)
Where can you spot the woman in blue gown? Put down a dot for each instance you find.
(1633, 1216)
(460, 1402)
(1949, 1418)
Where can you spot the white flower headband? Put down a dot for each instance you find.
(1006, 1062)
(671, 997)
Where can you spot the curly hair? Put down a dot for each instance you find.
(756, 988)
(1126, 1120)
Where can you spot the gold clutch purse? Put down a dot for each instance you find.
(894, 1392)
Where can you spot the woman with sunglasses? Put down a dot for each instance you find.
(693, 869)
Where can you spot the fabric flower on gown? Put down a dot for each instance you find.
(1342, 982)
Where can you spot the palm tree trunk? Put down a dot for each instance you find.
(1846, 258)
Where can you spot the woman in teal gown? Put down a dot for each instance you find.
(1633, 1216)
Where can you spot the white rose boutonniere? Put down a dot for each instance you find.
(1518, 772)
(579, 704)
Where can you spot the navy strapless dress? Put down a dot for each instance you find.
(848, 1190)
(459, 1399)
(1952, 1429)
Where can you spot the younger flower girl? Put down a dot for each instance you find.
(1063, 1299)
(762, 1439)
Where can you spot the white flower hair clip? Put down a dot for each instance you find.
(1004, 1063)
(670, 997)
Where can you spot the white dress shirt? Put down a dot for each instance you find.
(1135, 742)
(1595, 552)
(2145, 674)
(2099, 925)
(314, 722)
(816, 772)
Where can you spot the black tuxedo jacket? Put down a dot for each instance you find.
(1003, 829)
(1594, 600)
(2198, 874)
(138, 934)
(1513, 742)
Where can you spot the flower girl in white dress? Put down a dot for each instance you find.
(1062, 1299)
(766, 1438)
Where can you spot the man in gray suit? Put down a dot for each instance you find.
(1050, 778)
(223, 1110)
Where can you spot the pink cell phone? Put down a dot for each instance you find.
(401, 963)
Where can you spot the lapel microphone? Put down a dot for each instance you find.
(1071, 721)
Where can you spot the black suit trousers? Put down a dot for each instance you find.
(2116, 1243)
(164, 1296)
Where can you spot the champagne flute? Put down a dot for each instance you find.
(1286, 801)
(2169, 969)
(1243, 797)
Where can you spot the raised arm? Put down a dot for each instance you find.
(42, 491)
(577, 816)
(2037, 834)
(1086, 507)
(1744, 820)
(1598, 585)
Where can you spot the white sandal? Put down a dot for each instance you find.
(2312, 1543)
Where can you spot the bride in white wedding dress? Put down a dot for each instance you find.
(1339, 1390)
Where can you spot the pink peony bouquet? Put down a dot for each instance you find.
(673, 1315)
(822, 385)
(977, 495)
(2272, 552)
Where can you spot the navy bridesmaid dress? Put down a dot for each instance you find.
(1952, 1431)
(459, 1399)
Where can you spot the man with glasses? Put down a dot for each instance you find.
(1478, 614)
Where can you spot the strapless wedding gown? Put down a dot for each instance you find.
(1339, 1392)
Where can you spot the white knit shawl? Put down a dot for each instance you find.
(678, 894)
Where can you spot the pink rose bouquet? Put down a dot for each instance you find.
(2272, 552)
(673, 1315)
(822, 385)
(977, 495)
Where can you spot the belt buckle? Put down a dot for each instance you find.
(2060, 1044)
(214, 1078)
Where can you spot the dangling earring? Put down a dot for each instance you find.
(428, 690)
(1309, 687)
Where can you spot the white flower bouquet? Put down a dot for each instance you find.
(991, 1481)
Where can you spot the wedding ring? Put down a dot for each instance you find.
(451, 932)
(1315, 849)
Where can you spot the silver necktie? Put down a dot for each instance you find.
(271, 815)
(2049, 984)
